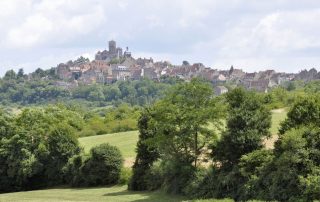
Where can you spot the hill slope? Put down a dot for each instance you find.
(125, 141)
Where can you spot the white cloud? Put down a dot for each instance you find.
(283, 34)
(50, 22)
(275, 33)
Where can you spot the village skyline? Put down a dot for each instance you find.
(117, 64)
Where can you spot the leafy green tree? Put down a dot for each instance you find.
(39, 73)
(291, 86)
(11, 74)
(252, 166)
(248, 123)
(146, 155)
(62, 144)
(287, 177)
(181, 134)
(101, 167)
(305, 111)
(181, 120)
(35, 146)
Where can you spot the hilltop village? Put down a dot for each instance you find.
(113, 65)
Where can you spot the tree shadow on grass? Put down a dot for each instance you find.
(148, 196)
(88, 188)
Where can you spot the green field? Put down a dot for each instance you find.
(115, 193)
(278, 116)
(125, 141)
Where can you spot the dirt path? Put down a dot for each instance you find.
(281, 110)
(269, 143)
(128, 162)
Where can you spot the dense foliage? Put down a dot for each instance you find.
(242, 168)
(110, 120)
(35, 146)
(101, 167)
(179, 127)
(42, 88)
(146, 155)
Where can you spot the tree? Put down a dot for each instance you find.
(186, 63)
(291, 86)
(248, 123)
(62, 144)
(102, 167)
(292, 173)
(11, 74)
(81, 60)
(177, 127)
(35, 146)
(231, 69)
(305, 111)
(20, 73)
(146, 155)
(39, 73)
(181, 121)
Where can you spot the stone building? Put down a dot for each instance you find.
(113, 52)
(121, 73)
(219, 90)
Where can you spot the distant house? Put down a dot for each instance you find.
(120, 73)
(260, 85)
(236, 73)
(136, 74)
(150, 73)
(219, 90)
(218, 79)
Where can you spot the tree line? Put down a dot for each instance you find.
(39, 148)
(20, 90)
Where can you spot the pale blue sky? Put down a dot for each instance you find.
(249, 34)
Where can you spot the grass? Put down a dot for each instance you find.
(278, 116)
(125, 141)
(114, 193)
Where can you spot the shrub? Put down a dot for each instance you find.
(146, 155)
(87, 132)
(104, 165)
(195, 184)
(125, 176)
(154, 177)
(176, 176)
(62, 144)
(101, 167)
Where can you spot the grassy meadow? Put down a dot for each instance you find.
(125, 141)
(97, 194)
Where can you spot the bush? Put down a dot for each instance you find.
(176, 176)
(154, 177)
(87, 132)
(125, 176)
(62, 144)
(102, 167)
(194, 184)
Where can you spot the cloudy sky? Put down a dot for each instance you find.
(249, 34)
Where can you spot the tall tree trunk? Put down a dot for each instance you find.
(196, 149)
